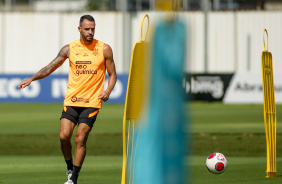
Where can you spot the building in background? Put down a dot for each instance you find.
(134, 5)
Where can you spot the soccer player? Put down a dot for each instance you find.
(89, 59)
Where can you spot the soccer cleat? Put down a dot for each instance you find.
(69, 173)
(69, 182)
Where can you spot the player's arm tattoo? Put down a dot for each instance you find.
(53, 65)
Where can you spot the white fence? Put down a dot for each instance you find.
(29, 41)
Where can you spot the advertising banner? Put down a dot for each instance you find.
(247, 88)
(238, 88)
(50, 89)
(206, 87)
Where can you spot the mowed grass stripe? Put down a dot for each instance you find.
(33, 129)
(232, 144)
(107, 170)
(52, 169)
(49, 144)
(45, 118)
(204, 118)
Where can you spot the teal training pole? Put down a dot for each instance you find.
(161, 140)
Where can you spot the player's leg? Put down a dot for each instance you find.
(66, 131)
(80, 149)
(80, 141)
(86, 120)
(68, 121)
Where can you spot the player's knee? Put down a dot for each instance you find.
(80, 140)
(65, 136)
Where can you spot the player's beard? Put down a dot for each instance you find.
(89, 38)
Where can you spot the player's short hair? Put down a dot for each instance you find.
(88, 17)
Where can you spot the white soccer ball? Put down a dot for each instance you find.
(216, 163)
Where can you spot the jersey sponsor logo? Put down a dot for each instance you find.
(73, 99)
(84, 54)
(76, 99)
(86, 72)
(81, 68)
(83, 62)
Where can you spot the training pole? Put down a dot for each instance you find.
(269, 109)
(135, 97)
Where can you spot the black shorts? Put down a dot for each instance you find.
(80, 115)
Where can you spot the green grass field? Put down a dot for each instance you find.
(30, 149)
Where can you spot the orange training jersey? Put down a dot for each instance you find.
(86, 74)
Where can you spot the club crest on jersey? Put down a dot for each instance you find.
(95, 52)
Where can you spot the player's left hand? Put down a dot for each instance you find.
(104, 96)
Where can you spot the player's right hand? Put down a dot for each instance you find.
(24, 83)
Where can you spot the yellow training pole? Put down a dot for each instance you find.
(135, 98)
(269, 109)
